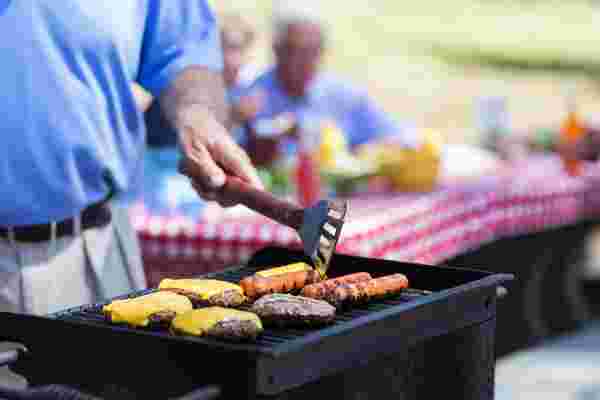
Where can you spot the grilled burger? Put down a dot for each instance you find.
(287, 279)
(206, 292)
(155, 310)
(288, 310)
(224, 323)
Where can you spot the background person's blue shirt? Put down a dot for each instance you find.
(69, 119)
(354, 112)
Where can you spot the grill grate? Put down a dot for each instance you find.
(271, 337)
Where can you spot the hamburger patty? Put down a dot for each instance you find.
(227, 298)
(235, 329)
(288, 310)
(224, 323)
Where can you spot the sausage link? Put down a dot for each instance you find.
(256, 286)
(324, 289)
(354, 293)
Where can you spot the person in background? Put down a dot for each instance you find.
(74, 146)
(237, 38)
(295, 85)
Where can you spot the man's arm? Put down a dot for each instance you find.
(194, 104)
(198, 88)
(181, 64)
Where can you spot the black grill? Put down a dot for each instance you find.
(270, 339)
(442, 301)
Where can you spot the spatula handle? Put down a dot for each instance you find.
(264, 203)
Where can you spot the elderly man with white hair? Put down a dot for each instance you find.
(295, 86)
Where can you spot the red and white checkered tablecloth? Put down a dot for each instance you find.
(425, 228)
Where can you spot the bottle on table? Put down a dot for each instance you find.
(492, 120)
(307, 173)
(571, 131)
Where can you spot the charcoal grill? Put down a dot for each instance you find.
(437, 336)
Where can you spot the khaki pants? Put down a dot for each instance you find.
(42, 278)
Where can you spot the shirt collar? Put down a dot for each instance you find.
(313, 93)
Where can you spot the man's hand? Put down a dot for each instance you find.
(210, 155)
(195, 106)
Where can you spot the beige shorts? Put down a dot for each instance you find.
(99, 263)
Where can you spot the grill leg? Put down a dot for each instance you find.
(457, 366)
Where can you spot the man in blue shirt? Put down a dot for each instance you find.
(295, 87)
(73, 137)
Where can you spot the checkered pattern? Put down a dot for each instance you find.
(425, 228)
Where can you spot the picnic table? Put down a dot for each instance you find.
(507, 221)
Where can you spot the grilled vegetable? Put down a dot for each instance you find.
(256, 286)
(206, 292)
(296, 267)
(324, 289)
(288, 310)
(361, 292)
(224, 323)
(152, 310)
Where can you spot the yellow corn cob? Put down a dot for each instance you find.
(296, 267)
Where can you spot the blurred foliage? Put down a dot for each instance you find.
(427, 61)
(549, 34)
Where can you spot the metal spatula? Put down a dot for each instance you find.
(319, 226)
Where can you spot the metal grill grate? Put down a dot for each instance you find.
(271, 337)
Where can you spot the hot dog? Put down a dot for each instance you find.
(256, 286)
(354, 293)
(325, 288)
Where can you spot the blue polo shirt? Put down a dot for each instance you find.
(354, 112)
(70, 126)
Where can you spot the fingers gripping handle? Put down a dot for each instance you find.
(264, 203)
(260, 201)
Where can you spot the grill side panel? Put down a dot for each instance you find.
(374, 341)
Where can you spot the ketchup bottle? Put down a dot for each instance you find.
(571, 132)
(308, 178)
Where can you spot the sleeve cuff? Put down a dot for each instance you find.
(187, 56)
